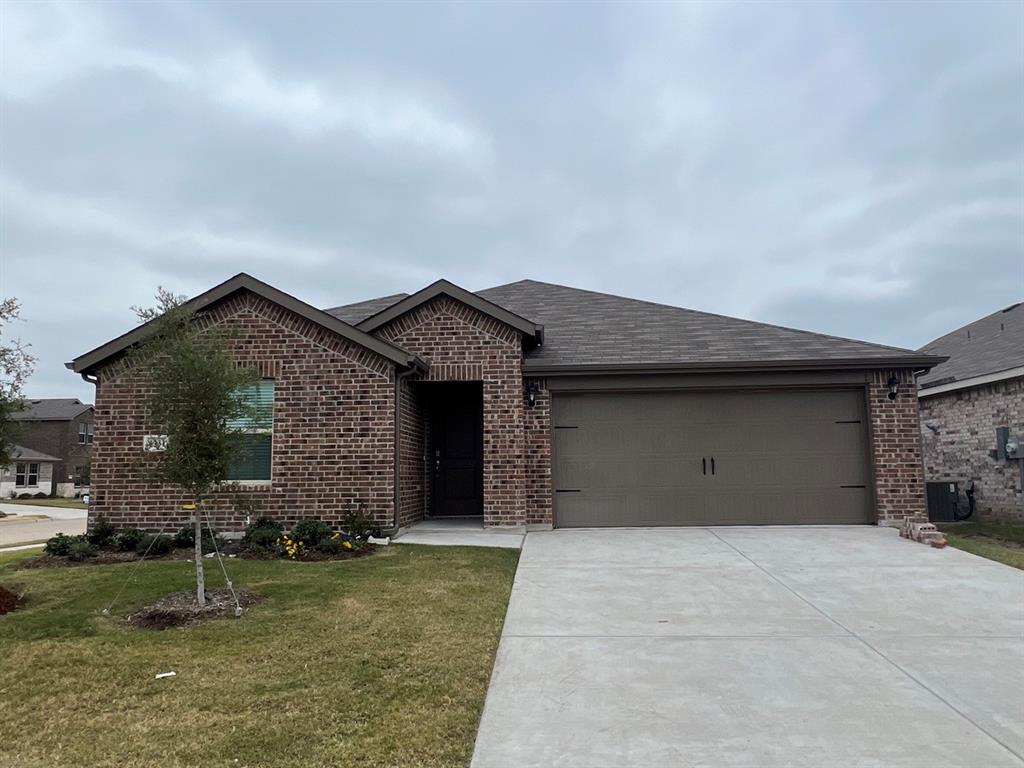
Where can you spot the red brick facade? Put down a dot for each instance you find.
(461, 344)
(333, 445)
(896, 448)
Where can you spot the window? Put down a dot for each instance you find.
(26, 475)
(82, 475)
(254, 434)
(85, 433)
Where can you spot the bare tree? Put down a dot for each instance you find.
(16, 365)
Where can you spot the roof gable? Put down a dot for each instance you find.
(87, 362)
(993, 344)
(530, 330)
(21, 453)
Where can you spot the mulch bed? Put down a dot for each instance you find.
(10, 599)
(111, 558)
(180, 609)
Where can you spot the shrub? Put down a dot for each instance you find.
(81, 550)
(24, 495)
(358, 523)
(185, 538)
(101, 534)
(331, 545)
(262, 533)
(60, 544)
(157, 545)
(127, 540)
(40, 495)
(311, 532)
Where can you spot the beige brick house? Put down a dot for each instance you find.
(532, 404)
(972, 405)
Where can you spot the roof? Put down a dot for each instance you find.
(528, 328)
(28, 454)
(353, 314)
(51, 409)
(982, 349)
(589, 331)
(87, 362)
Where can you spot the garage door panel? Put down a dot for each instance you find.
(644, 458)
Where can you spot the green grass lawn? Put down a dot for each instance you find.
(48, 502)
(381, 661)
(1003, 542)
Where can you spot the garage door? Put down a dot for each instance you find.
(710, 458)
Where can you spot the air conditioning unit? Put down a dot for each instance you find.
(943, 501)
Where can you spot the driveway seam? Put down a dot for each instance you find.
(872, 648)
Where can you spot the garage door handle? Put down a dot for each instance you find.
(712, 465)
(704, 465)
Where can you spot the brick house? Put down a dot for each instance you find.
(30, 474)
(972, 405)
(61, 427)
(533, 404)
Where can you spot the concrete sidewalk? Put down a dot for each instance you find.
(460, 532)
(809, 647)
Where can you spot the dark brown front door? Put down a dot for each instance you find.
(457, 443)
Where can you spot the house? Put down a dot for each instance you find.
(533, 404)
(30, 474)
(61, 427)
(972, 405)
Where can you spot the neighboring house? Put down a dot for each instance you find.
(971, 405)
(61, 427)
(30, 474)
(533, 404)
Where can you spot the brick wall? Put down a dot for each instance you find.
(537, 457)
(333, 445)
(896, 448)
(412, 449)
(965, 432)
(462, 344)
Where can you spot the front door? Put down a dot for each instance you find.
(457, 445)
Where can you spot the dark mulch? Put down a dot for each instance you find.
(180, 609)
(11, 599)
(313, 556)
(111, 558)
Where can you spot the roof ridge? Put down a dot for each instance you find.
(397, 296)
(705, 314)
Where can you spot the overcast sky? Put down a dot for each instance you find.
(855, 169)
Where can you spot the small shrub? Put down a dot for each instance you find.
(81, 550)
(185, 538)
(102, 533)
(311, 532)
(24, 495)
(60, 544)
(330, 546)
(262, 533)
(157, 545)
(40, 495)
(127, 540)
(358, 523)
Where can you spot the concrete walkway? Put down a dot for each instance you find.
(839, 647)
(460, 532)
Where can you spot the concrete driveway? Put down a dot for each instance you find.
(833, 647)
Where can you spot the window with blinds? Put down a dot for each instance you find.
(254, 433)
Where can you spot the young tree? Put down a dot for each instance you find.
(196, 400)
(16, 365)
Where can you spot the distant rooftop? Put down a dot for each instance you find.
(22, 453)
(987, 346)
(52, 409)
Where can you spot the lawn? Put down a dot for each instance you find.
(380, 661)
(48, 502)
(1003, 542)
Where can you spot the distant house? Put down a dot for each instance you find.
(62, 429)
(972, 405)
(30, 474)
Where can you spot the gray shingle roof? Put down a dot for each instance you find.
(356, 313)
(586, 328)
(990, 345)
(52, 409)
(21, 453)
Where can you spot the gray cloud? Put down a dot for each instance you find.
(855, 169)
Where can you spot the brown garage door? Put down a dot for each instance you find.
(710, 458)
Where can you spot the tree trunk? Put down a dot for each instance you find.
(200, 576)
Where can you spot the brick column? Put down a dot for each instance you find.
(896, 448)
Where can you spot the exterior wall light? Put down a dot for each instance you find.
(894, 387)
(531, 393)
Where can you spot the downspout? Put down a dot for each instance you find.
(399, 378)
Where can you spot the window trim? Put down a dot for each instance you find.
(29, 478)
(259, 430)
(85, 433)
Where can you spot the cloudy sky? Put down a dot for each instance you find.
(856, 169)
